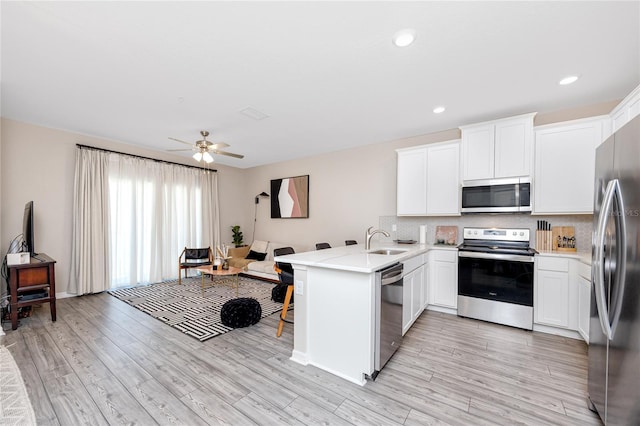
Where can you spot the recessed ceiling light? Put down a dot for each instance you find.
(568, 80)
(438, 110)
(404, 37)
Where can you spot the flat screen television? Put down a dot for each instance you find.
(27, 229)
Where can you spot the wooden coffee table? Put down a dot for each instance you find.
(209, 270)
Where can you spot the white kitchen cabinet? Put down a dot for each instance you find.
(581, 277)
(428, 182)
(443, 179)
(565, 166)
(551, 292)
(412, 182)
(498, 149)
(584, 307)
(413, 291)
(443, 282)
(626, 110)
(425, 285)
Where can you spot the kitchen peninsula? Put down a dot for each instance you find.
(335, 304)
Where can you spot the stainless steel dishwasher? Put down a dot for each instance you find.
(389, 287)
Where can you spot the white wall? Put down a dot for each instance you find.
(38, 164)
(348, 190)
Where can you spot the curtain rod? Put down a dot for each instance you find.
(144, 158)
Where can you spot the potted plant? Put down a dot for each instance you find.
(237, 235)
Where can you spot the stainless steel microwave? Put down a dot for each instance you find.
(512, 195)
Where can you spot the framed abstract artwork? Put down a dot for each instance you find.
(290, 198)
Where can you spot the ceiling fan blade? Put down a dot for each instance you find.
(229, 154)
(218, 145)
(178, 140)
(175, 150)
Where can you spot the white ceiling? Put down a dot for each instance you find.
(325, 73)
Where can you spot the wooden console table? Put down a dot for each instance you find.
(38, 274)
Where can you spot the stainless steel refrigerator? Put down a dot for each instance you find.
(614, 329)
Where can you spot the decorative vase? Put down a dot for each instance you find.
(225, 264)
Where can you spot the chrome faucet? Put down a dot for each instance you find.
(370, 233)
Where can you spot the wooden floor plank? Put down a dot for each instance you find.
(105, 362)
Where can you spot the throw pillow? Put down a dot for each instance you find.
(259, 246)
(255, 255)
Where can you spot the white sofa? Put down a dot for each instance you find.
(259, 268)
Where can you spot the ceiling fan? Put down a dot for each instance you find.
(204, 148)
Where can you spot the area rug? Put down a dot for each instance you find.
(15, 407)
(183, 307)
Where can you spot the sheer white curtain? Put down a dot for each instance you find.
(90, 241)
(155, 209)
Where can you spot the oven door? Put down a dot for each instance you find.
(496, 277)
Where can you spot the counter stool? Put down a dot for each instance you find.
(285, 274)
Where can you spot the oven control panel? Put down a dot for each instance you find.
(497, 234)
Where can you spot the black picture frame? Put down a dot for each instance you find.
(290, 197)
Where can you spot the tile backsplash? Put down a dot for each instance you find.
(407, 228)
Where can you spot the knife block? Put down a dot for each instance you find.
(544, 241)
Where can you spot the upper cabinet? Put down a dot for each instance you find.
(443, 179)
(565, 165)
(412, 181)
(626, 110)
(498, 149)
(429, 180)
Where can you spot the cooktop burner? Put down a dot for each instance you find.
(497, 240)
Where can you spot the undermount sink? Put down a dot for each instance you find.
(387, 252)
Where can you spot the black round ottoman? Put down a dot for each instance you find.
(241, 312)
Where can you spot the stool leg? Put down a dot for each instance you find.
(285, 307)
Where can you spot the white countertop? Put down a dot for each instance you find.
(356, 259)
(581, 256)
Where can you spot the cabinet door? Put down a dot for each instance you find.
(412, 182)
(513, 148)
(478, 152)
(407, 296)
(443, 179)
(444, 285)
(425, 285)
(551, 305)
(584, 307)
(565, 167)
(626, 110)
(416, 293)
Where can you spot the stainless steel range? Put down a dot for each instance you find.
(495, 276)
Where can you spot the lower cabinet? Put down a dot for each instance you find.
(443, 281)
(414, 290)
(582, 277)
(562, 296)
(551, 291)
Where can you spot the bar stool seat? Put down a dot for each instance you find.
(285, 274)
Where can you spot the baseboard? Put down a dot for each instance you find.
(64, 295)
(442, 309)
(299, 357)
(557, 331)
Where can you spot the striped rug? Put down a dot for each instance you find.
(183, 307)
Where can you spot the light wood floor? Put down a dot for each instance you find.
(104, 362)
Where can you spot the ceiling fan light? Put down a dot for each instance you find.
(207, 157)
(197, 156)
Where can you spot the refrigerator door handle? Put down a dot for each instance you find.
(621, 258)
(598, 258)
